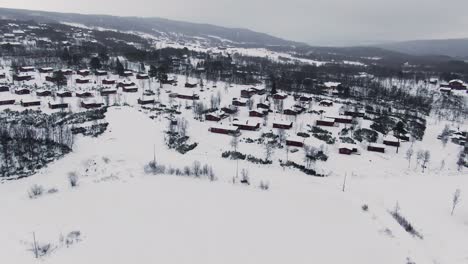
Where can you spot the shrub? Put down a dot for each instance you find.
(73, 179)
(365, 207)
(35, 191)
(264, 186)
(405, 223)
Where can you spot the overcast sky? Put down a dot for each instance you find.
(317, 22)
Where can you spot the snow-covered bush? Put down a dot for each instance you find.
(35, 191)
(73, 179)
(264, 186)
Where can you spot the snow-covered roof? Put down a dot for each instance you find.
(391, 138)
(456, 80)
(348, 146)
(327, 119)
(283, 122)
(295, 138)
(376, 145)
(226, 127)
(240, 100)
(246, 122)
(331, 84)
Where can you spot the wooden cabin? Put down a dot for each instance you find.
(264, 105)
(295, 141)
(22, 77)
(190, 85)
(227, 130)
(26, 69)
(257, 113)
(141, 76)
(305, 98)
(239, 101)
(343, 119)
(231, 109)
(247, 93)
(101, 73)
(108, 91)
(83, 94)
(90, 105)
(347, 149)
(249, 125)
(4, 88)
(43, 93)
(280, 96)
(215, 116)
(8, 101)
(67, 71)
(326, 122)
(127, 73)
(185, 96)
(282, 124)
(290, 112)
(28, 103)
(22, 91)
(376, 147)
(130, 89)
(46, 70)
(125, 84)
(391, 141)
(2, 75)
(146, 101)
(82, 80)
(108, 81)
(326, 103)
(84, 72)
(57, 105)
(64, 94)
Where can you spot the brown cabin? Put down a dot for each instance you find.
(146, 101)
(22, 91)
(64, 94)
(326, 122)
(140, 76)
(81, 81)
(326, 103)
(130, 89)
(280, 96)
(7, 101)
(105, 92)
(190, 85)
(89, 105)
(291, 112)
(257, 113)
(283, 125)
(83, 94)
(250, 126)
(347, 149)
(43, 93)
(295, 142)
(4, 88)
(53, 105)
(227, 130)
(30, 103)
(376, 148)
(21, 78)
(108, 81)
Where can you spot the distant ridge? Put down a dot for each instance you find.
(150, 25)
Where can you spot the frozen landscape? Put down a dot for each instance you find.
(170, 151)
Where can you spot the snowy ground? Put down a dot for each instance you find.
(127, 216)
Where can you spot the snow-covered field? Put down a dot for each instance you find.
(127, 216)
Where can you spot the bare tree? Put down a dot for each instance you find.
(268, 150)
(235, 142)
(425, 159)
(444, 136)
(409, 155)
(455, 199)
